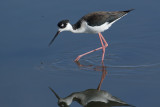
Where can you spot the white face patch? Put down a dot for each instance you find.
(62, 25)
(67, 27)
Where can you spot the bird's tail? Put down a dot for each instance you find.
(126, 11)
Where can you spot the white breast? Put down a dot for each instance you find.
(85, 28)
(98, 29)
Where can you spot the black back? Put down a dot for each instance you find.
(99, 18)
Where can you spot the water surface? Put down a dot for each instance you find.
(28, 66)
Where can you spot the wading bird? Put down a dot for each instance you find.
(96, 23)
(90, 98)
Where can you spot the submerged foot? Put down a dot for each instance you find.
(77, 58)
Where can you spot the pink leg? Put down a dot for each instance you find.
(106, 44)
(103, 47)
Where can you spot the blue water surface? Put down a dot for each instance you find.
(28, 66)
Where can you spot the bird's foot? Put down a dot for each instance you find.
(77, 58)
(102, 61)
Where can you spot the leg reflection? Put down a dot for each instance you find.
(102, 68)
(104, 73)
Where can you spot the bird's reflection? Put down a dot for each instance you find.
(90, 98)
(102, 68)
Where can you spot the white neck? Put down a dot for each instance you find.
(82, 29)
(70, 98)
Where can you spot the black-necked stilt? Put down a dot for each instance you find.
(95, 22)
(90, 98)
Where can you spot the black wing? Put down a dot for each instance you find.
(99, 18)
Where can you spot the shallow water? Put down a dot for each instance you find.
(28, 66)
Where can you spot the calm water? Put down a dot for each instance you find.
(28, 66)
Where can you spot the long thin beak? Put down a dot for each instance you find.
(54, 38)
(54, 93)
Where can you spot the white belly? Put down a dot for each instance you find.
(85, 28)
(97, 29)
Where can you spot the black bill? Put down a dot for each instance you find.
(54, 38)
(54, 93)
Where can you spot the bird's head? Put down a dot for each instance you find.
(61, 101)
(62, 104)
(63, 25)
